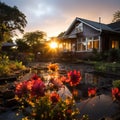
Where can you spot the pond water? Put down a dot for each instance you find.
(89, 78)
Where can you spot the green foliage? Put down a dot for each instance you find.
(35, 41)
(32, 38)
(114, 54)
(116, 83)
(4, 70)
(8, 67)
(100, 67)
(106, 67)
(11, 19)
(22, 45)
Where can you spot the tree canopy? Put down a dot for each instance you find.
(11, 19)
(116, 16)
(32, 38)
(22, 46)
(35, 40)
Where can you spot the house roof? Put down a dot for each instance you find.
(8, 44)
(95, 25)
(115, 26)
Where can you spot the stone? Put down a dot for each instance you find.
(2, 109)
(11, 103)
(8, 94)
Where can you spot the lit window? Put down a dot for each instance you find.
(115, 44)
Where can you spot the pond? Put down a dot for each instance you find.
(90, 78)
(96, 107)
(92, 106)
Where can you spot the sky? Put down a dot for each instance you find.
(55, 16)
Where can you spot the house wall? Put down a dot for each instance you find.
(90, 32)
(108, 39)
(80, 40)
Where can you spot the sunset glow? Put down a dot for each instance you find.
(55, 16)
(53, 45)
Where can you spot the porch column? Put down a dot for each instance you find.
(86, 43)
(77, 44)
(92, 42)
(99, 43)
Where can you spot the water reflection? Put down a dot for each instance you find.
(88, 76)
(97, 80)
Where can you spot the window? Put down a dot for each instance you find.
(79, 28)
(93, 42)
(81, 44)
(88, 43)
(115, 44)
(96, 42)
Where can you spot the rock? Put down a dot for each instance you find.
(2, 109)
(11, 103)
(8, 94)
(1, 95)
(1, 102)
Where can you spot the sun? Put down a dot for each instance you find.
(53, 45)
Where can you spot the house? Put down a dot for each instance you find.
(83, 36)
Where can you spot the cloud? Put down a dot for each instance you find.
(55, 16)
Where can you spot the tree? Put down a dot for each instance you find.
(35, 37)
(35, 40)
(116, 16)
(11, 19)
(22, 46)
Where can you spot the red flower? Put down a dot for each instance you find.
(115, 91)
(35, 77)
(74, 78)
(91, 91)
(21, 89)
(69, 111)
(54, 97)
(38, 88)
(30, 84)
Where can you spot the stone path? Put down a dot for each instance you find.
(98, 107)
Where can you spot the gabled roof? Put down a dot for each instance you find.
(115, 26)
(95, 25)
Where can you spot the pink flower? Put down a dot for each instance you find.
(74, 78)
